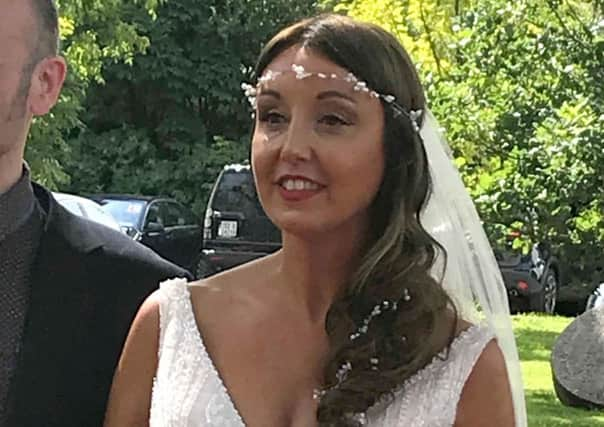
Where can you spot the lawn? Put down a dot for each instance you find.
(535, 335)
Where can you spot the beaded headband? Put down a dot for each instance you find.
(251, 91)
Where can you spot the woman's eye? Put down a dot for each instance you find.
(333, 120)
(271, 117)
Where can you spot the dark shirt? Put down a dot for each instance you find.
(20, 231)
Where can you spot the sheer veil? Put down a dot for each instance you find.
(471, 275)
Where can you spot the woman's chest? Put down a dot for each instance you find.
(269, 370)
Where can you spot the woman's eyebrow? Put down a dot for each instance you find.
(335, 94)
(269, 92)
(321, 96)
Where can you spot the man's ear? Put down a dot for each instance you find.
(46, 84)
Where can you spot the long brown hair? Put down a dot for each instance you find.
(397, 260)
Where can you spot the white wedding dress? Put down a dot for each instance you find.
(188, 391)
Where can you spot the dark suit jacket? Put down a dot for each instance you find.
(87, 285)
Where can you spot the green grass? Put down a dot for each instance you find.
(535, 335)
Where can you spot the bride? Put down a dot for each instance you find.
(358, 320)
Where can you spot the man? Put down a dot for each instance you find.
(68, 288)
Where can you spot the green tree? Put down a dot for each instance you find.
(94, 34)
(518, 88)
(422, 26)
(169, 121)
(527, 89)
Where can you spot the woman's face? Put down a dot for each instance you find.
(317, 151)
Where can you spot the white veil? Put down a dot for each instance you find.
(472, 277)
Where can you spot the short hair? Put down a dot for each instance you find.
(47, 42)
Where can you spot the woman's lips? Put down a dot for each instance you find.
(295, 189)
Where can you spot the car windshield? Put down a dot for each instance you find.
(236, 193)
(97, 214)
(126, 212)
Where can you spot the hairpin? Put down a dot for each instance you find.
(300, 72)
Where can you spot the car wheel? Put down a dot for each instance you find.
(204, 268)
(545, 301)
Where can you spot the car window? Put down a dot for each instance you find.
(190, 217)
(125, 212)
(185, 215)
(155, 214)
(174, 215)
(236, 192)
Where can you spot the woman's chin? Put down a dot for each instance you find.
(316, 225)
(302, 227)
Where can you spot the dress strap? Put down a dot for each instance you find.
(174, 289)
(430, 397)
(174, 301)
(464, 352)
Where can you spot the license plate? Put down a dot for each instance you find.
(227, 229)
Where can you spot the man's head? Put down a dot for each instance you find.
(31, 75)
(47, 23)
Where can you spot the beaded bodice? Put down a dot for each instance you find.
(188, 391)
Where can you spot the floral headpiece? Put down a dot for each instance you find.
(251, 91)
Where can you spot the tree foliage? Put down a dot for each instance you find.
(529, 88)
(519, 89)
(172, 118)
(94, 33)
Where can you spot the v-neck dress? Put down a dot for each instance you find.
(188, 390)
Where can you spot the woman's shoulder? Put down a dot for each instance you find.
(432, 394)
(475, 372)
(451, 367)
(486, 398)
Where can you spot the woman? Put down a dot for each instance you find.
(346, 325)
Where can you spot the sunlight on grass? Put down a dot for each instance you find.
(535, 335)
(537, 375)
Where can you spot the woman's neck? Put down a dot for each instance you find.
(317, 269)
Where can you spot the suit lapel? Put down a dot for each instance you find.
(59, 310)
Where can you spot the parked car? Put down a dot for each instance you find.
(236, 229)
(88, 209)
(161, 223)
(533, 278)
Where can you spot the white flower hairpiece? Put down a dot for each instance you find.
(414, 116)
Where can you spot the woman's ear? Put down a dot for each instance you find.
(46, 84)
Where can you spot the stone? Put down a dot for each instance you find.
(578, 361)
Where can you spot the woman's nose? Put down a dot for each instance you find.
(297, 142)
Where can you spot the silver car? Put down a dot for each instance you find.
(88, 209)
